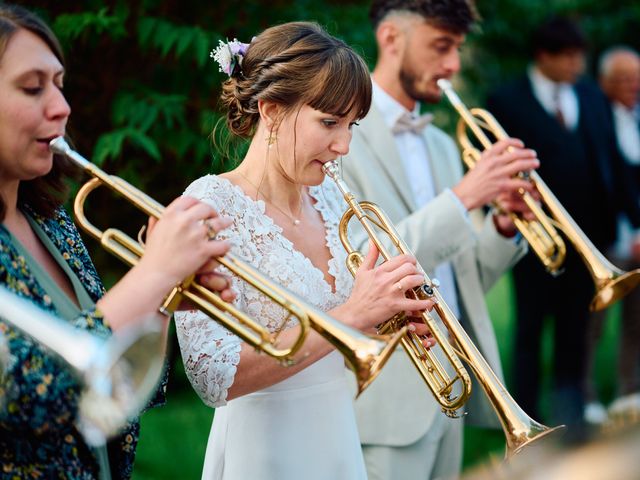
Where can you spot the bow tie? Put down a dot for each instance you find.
(407, 122)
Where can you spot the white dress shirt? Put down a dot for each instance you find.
(416, 162)
(553, 96)
(627, 132)
(627, 129)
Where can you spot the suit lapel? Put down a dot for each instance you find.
(381, 140)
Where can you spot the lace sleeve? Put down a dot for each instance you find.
(210, 354)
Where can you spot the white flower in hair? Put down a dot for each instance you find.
(229, 55)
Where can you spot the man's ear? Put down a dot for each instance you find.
(389, 37)
(270, 114)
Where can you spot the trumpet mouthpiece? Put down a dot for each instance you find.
(331, 169)
(444, 84)
(59, 146)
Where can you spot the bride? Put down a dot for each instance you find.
(296, 92)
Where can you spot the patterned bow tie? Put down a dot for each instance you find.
(408, 123)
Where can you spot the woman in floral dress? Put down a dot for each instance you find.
(42, 258)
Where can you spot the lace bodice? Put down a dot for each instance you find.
(209, 351)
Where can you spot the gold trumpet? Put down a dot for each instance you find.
(365, 355)
(519, 429)
(611, 283)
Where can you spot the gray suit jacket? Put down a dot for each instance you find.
(398, 409)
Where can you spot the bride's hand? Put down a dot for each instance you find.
(379, 292)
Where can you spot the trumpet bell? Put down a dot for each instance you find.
(371, 356)
(117, 376)
(529, 432)
(611, 289)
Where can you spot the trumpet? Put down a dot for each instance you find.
(519, 429)
(611, 283)
(365, 355)
(117, 375)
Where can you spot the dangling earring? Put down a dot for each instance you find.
(271, 139)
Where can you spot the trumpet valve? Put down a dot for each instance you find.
(354, 260)
(428, 290)
(393, 325)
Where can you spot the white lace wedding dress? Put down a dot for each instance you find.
(303, 427)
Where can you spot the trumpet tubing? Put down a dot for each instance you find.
(426, 362)
(611, 283)
(520, 430)
(365, 355)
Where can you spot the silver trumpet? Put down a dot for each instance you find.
(117, 375)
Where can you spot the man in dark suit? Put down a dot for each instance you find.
(565, 120)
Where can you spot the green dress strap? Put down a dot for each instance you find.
(64, 305)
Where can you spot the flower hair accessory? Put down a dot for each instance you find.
(229, 56)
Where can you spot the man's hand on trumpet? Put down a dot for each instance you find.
(495, 179)
(513, 202)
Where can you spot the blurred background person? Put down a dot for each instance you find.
(619, 78)
(565, 119)
(43, 259)
(413, 171)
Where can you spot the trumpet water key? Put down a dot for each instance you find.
(451, 391)
(611, 283)
(365, 355)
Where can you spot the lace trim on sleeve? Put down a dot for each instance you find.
(210, 354)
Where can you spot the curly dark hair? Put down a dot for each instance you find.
(43, 194)
(293, 64)
(457, 16)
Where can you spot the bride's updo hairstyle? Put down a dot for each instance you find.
(292, 65)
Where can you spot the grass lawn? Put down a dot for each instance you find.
(174, 437)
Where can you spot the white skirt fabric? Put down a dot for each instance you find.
(303, 427)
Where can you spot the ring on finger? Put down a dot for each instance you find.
(399, 286)
(211, 231)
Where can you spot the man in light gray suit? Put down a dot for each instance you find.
(413, 171)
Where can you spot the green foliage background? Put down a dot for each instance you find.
(144, 91)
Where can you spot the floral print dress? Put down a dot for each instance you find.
(38, 396)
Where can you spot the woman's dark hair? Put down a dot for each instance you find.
(296, 64)
(457, 16)
(43, 194)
